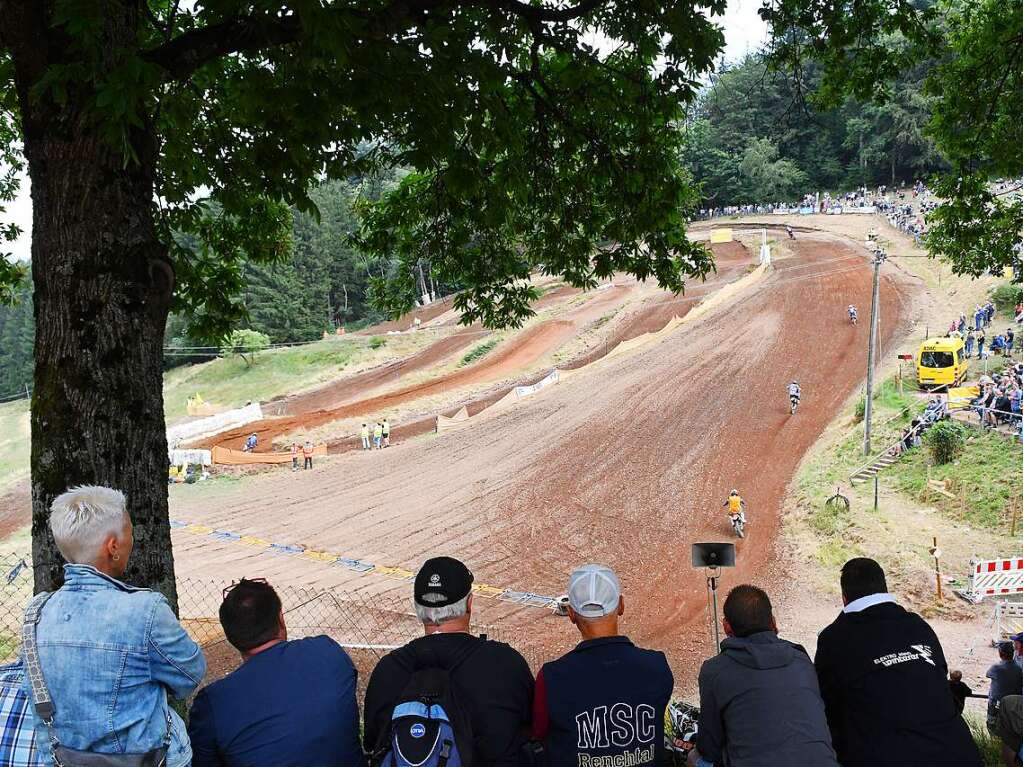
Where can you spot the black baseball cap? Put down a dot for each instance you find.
(441, 581)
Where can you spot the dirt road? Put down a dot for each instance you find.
(627, 464)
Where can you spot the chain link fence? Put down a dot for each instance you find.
(367, 627)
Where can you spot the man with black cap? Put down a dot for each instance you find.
(883, 678)
(491, 681)
(604, 701)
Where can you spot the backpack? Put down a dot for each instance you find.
(429, 726)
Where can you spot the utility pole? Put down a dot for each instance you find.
(879, 258)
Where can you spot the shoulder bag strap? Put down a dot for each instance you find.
(30, 656)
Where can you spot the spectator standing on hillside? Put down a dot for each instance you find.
(759, 699)
(364, 433)
(307, 455)
(110, 653)
(1010, 340)
(385, 432)
(1017, 646)
(294, 456)
(981, 338)
(487, 683)
(1006, 679)
(884, 682)
(605, 699)
(290, 703)
(959, 689)
(969, 343)
(378, 434)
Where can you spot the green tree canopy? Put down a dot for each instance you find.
(167, 141)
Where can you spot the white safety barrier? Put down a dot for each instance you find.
(1008, 620)
(993, 577)
(205, 427)
(200, 457)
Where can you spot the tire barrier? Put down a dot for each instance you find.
(332, 559)
(993, 577)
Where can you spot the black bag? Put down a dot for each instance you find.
(429, 726)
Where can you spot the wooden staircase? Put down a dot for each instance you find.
(877, 465)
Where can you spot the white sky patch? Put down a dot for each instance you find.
(745, 32)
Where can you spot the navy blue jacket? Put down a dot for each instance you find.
(292, 705)
(605, 698)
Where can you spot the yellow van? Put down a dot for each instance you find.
(941, 362)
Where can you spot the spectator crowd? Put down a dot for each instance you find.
(102, 659)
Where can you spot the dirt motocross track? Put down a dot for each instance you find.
(626, 464)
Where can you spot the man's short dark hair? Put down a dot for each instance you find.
(1006, 651)
(862, 577)
(748, 610)
(249, 614)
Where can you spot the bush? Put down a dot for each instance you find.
(478, 352)
(861, 409)
(1007, 296)
(945, 441)
(376, 342)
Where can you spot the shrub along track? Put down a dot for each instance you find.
(627, 464)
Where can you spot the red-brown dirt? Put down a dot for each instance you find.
(507, 359)
(626, 464)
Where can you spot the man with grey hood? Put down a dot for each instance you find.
(759, 700)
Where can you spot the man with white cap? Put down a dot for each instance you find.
(606, 698)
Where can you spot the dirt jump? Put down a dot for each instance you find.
(626, 464)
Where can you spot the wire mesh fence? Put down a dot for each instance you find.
(367, 627)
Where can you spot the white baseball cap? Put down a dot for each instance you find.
(594, 591)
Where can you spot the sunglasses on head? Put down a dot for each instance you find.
(236, 584)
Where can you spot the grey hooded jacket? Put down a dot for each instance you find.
(760, 705)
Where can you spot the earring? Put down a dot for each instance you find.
(116, 557)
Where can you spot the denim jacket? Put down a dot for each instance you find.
(110, 654)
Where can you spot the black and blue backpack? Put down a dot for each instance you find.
(429, 727)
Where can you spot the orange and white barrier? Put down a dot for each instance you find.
(993, 577)
(223, 456)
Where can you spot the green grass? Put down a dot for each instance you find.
(990, 748)
(831, 468)
(988, 474)
(15, 445)
(479, 351)
(229, 382)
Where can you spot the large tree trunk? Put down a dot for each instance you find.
(102, 290)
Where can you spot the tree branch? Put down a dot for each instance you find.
(184, 54)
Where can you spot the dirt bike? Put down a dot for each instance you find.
(738, 524)
(794, 403)
(853, 318)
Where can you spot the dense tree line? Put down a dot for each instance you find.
(17, 335)
(755, 135)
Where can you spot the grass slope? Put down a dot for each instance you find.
(14, 442)
(230, 382)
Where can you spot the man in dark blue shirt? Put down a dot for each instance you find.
(605, 699)
(290, 704)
